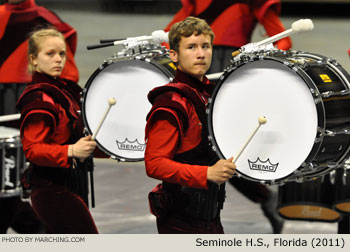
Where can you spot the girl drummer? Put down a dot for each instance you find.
(52, 138)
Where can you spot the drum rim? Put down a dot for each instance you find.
(13, 135)
(149, 60)
(321, 124)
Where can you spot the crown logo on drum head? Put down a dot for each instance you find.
(259, 165)
(130, 146)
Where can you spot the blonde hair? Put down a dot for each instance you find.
(187, 27)
(35, 40)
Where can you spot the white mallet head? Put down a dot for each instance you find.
(160, 36)
(112, 101)
(302, 25)
(262, 120)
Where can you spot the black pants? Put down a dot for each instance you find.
(18, 215)
(178, 223)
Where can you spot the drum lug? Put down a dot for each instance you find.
(291, 65)
(332, 177)
(299, 179)
(318, 139)
(313, 92)
(329, 133)
(316, 95)
(347, 164)
(345, 131)
(104, 64)
(327, 94)
(238, 175)
(308, 167)
(332, 93)
(317, 100)
(332, 165)
(304, 164)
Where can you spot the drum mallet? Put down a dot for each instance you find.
(261, 120)
(111, 102)
(297, 26)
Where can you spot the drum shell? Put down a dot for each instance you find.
(333, 148)
(12, 163)
(341, 199)
(310, 200)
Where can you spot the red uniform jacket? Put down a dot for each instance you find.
(16, 22)
(233, 21)
(49, 120)
(176, 132)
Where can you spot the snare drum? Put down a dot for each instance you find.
(128, 80)
(310, 200)
(305, 98)
(12, 162)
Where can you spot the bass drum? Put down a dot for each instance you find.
(128, 80)
(310, 200)
(305, 98)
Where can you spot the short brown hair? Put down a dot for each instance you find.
(34, 41)
(187, 27)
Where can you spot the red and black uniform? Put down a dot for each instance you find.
(233, 22)
(178, 153)
(16, 22)
(49, 123)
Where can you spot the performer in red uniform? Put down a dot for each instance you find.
(17, 20)
(178, 153)
(52, 138)
(233, 22)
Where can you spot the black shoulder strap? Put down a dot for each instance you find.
(216, 8)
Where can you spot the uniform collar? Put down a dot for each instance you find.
(192, 81)
(44, 78)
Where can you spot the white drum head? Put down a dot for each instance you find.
(264, 88)
(6, 132)
(122, 133)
